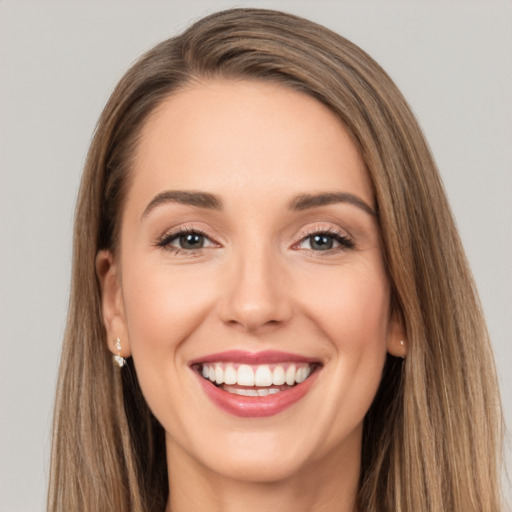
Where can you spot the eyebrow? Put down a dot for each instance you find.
(191, 198)
(307, 201)
(213, 202)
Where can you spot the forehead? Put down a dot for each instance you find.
(226, 135)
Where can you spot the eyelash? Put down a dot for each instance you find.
(345, 242)
(165, 241)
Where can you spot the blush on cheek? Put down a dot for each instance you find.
(358, 315)
(159, 305)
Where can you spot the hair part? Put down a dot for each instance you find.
(433, 416)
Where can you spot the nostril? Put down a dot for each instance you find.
(255, 317)
(254, 296)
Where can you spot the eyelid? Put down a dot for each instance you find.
(175, 232)
(345, 240)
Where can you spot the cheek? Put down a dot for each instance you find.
(352, 306)
(354, 318)
(163, 306)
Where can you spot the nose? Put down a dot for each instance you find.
(256, 296)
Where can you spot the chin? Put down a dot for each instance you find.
(259, 468)
(270, 456)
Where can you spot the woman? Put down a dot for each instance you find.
(263, 244)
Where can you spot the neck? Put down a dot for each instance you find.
(326, 485)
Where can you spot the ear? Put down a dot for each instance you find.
(396, 341)
(112, 306)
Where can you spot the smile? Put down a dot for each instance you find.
(236, 383)
(256, 380)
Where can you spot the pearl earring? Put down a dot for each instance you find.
(117, 358)
(402, 344)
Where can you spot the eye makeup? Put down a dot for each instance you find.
(186, 240)
(323, 239)
(190, 240)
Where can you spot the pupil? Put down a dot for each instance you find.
(191, 241)
(321, 242)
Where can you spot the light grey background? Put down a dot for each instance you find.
(58, 64)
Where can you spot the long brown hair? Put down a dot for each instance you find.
(432, 438)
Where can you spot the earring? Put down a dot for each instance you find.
(117, 358)
(402, 344)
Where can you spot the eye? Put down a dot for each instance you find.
(325, 241)
(186, 240)
(189, 241)
(321, 242)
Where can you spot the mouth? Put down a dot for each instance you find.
(247, 388)
(255, 380)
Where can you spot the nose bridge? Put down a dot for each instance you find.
(256, 295)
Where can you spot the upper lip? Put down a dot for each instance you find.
(253, 358)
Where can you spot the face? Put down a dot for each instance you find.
(249, 287)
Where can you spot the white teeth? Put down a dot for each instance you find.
(278, 376)
(230, 374)
(263, 376)
(290, 375)
(243, 392)
(245, 375)
(302, 374)
(251, 392)
(219, 374)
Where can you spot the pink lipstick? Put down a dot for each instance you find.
(255, 384)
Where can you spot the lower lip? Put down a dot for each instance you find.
(257, 407)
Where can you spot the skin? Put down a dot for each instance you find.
(257, 284)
